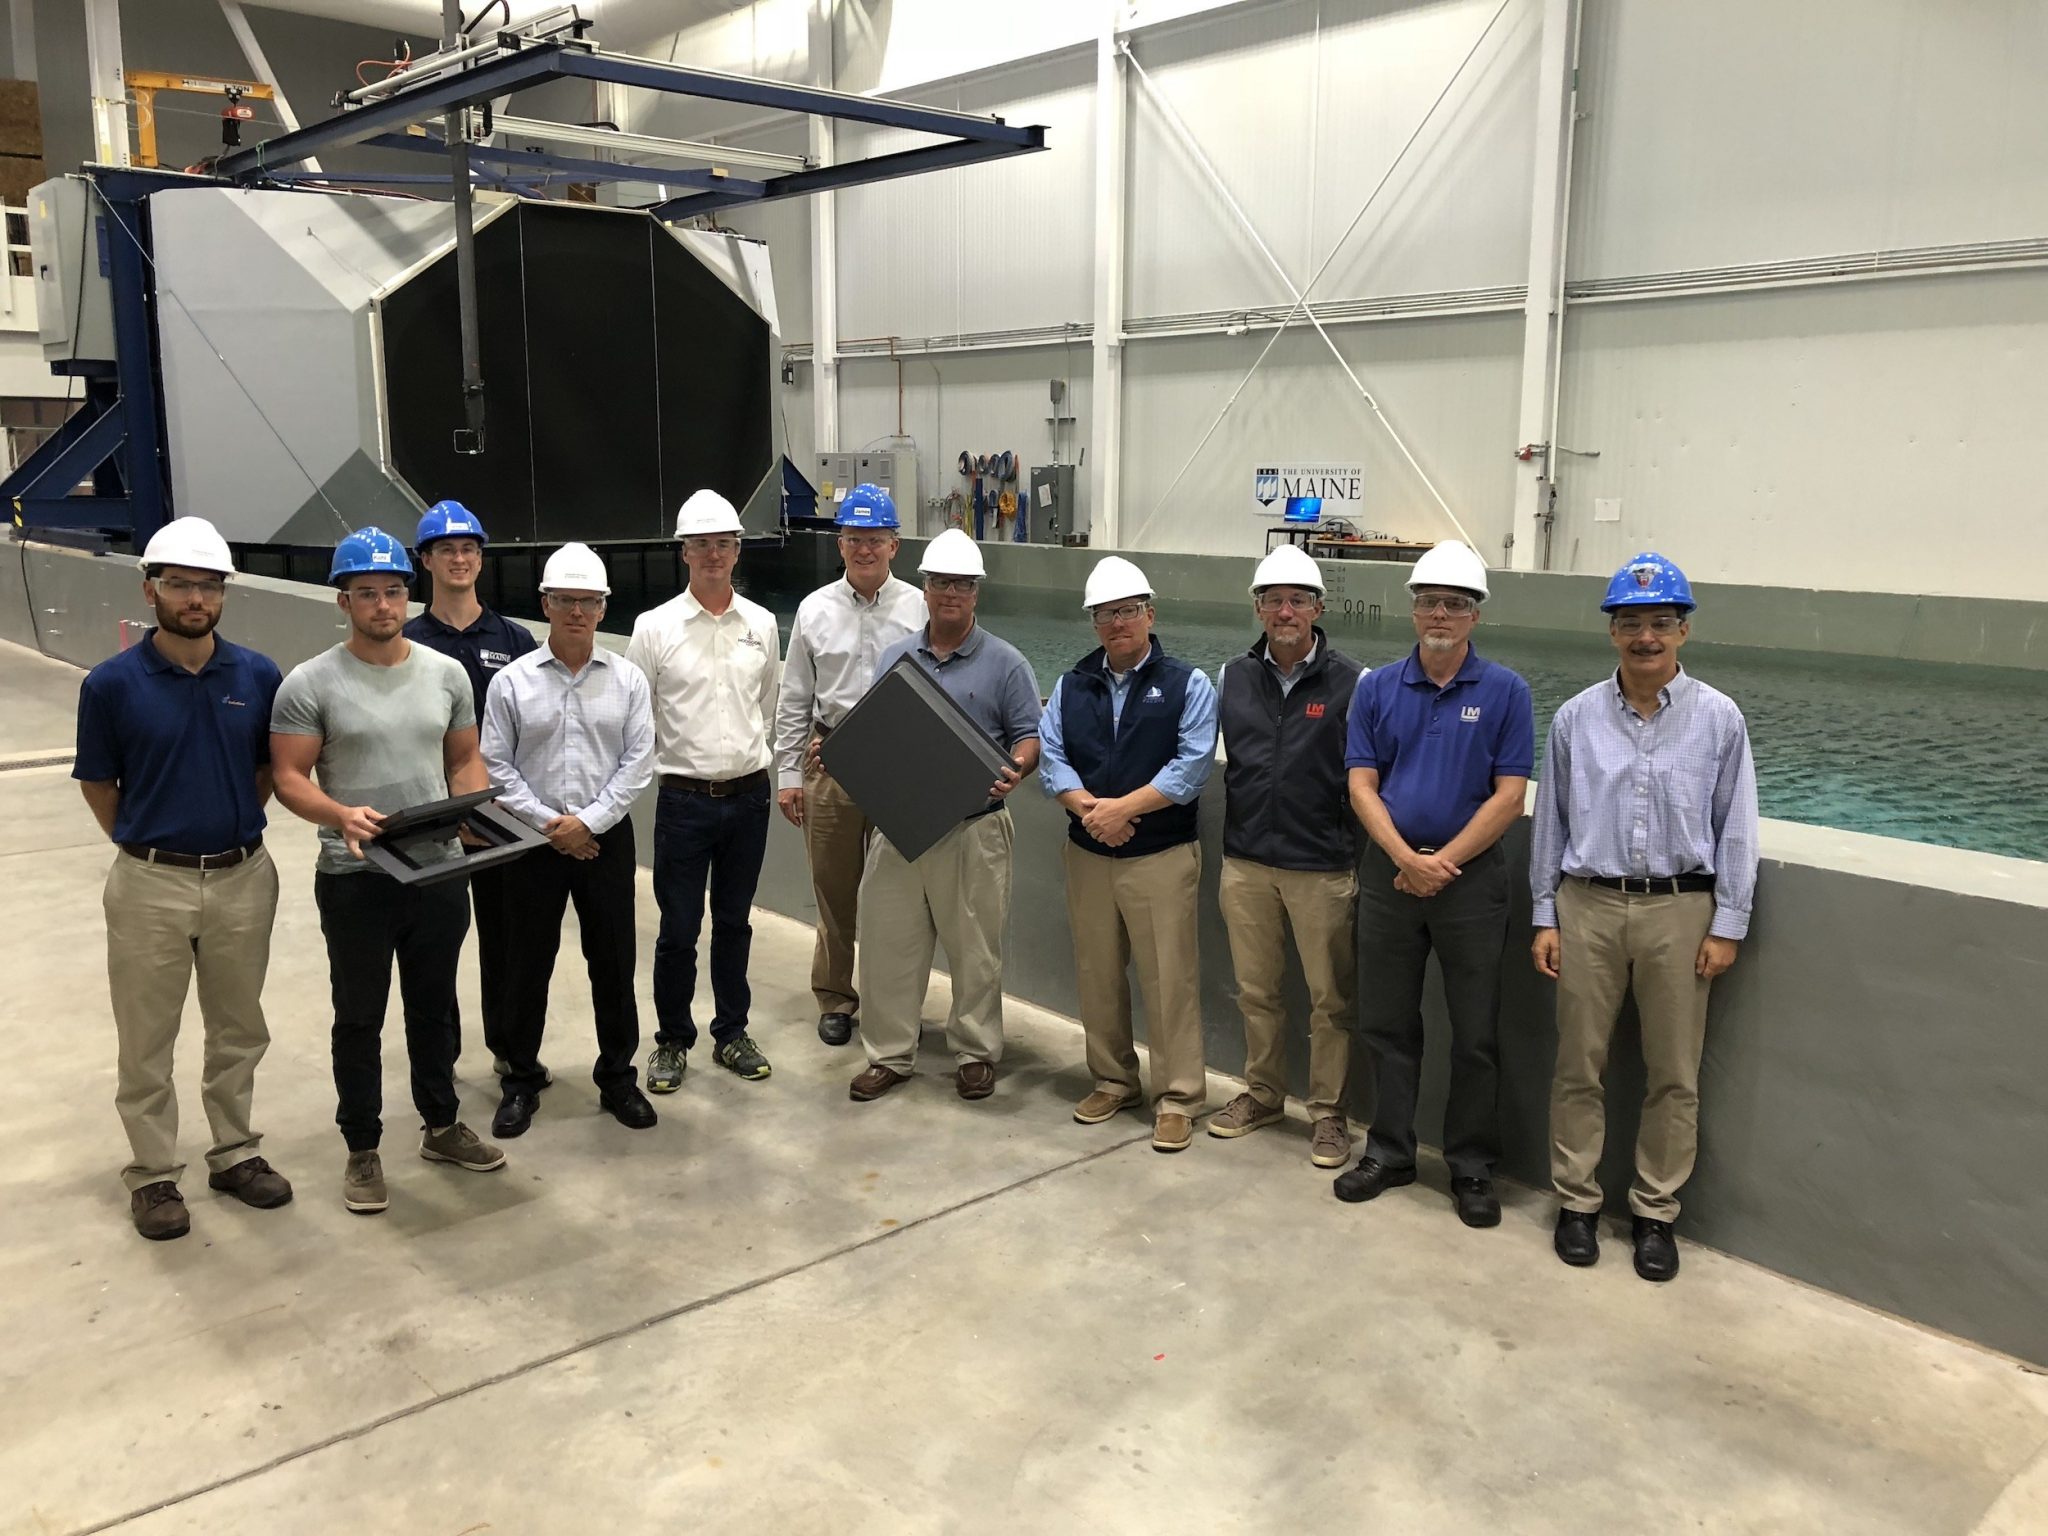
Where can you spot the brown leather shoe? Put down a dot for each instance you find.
(874, 1082)
(253, 1182)
(975, 1079)
(1172, 1132)
(1101, 1105)
(158, 1211)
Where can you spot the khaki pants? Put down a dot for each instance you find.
(957, 894)
(1119, 909)
(836, 835)
(1260, 903)
(1608, 941)
(162, 925)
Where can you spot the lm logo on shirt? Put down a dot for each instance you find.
(1314, 711)
(1470, 714)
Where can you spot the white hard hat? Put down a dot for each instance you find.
(191, 542)
(953, 553)
(1450, 564)
(1288, 566)
(1112, 578)
(574, 568)
(707, 512)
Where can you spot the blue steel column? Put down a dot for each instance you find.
(135, 360)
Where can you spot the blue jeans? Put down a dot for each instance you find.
(702, 840)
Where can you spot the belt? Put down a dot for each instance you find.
(226, 860)
(1654, 885)
(718, 789)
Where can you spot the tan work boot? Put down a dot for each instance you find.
(1329, 1143)
(1243, 1115)
(158, 1211)
(362, 1183)
(1172, 1132)
(1101, 1105)
(459, 1145)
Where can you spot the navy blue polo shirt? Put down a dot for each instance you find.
(1438, 750)
(183, 746)
(485, 649)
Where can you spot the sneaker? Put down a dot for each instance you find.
(1243, 1115)
(665, 1069)
(253, 1182)
(362, 1183)
(1329, 1144)
(158, 1211)
(459, 1145)
(742, 1058)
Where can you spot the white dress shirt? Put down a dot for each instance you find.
(834, 643)
(715, 680)
(569, 744)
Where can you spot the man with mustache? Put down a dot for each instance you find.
(174, 760)
(1643, 863)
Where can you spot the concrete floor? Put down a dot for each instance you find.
(783, 1310)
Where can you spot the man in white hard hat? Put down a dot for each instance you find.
(569, 737)
(1290, 851)
(957, 892)
(714, 662)
(839, 633)
(1130, 738)
(1439, 749)
(174, 760)
(385, 724)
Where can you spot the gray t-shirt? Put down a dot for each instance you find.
(381, 732)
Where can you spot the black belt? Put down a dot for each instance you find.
(718, 789)
(1652, 885)
(226, 860)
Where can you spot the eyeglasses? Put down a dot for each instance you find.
(376, 595)
(1657, 624)
(950, 583)
(575, 604)
(178, 586)
(710, 546)
(1456, 604)
(1122, 613)
(865, 540)
(1274, 602)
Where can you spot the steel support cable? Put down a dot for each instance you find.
(162, 288)
(1301, 300)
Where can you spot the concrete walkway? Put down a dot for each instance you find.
(781, 1310)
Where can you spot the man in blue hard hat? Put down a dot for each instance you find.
(1642, 864)
(1439, 751)
(385, 724)
(839, 633)
(450, 544)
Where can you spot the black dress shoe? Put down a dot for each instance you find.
(835, 1028)
(1656, 1249)
(1477, 1206)
(515, 1112)
(628, 1106)
(1371, 1178)
(1578, 1238)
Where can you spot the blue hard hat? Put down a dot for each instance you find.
(448, 520)
(868, 506)
(1649, 581)
(368, 552)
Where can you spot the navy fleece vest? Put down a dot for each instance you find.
(1113, 759)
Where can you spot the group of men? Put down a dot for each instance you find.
(1364, 815)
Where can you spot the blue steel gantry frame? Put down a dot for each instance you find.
(116, 438)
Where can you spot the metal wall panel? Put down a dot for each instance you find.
(1750, 130)
(1876, 437)
(1449, 386)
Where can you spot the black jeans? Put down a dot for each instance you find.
(490, 898)
(1466, 925)
(369, 919)
(698, 840)
(539, 886)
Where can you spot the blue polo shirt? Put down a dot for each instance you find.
(486, 648)
(183, 746)
(1438, 750)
